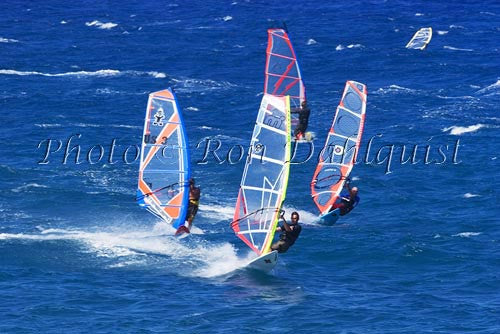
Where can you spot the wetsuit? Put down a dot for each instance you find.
(303, 120)
(346, 205)
(194, 201)
(287, 239)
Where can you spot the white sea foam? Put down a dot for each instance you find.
(101, 25)
(442, 32)
(394, 89)
(466, 234)
(28, 186)
(466, 97)
(8, 40)
(469, 195)
(63, 22)
(48, 125)
(129, 247)
(200, 85)
(78, 74)
(192, 109)
(456, 49)
(355, 46)
(419, 14)
(460, 130)
(227, 18)
(311, 42)
(454, 26)
(217, 212)
(493, 87)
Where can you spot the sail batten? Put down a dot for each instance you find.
(164, 161)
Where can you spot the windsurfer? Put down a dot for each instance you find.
(289, 233)
(347, 203)
(303, 112)
(194, 201)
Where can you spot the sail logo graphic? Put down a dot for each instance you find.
(338, 150)
(159, 116)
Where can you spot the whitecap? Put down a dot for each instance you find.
(63, 22)
(355, 46)
(192, 109)
(101, 25)
(419, 14)
(494, 86)
(466, 97)
(394, 88)
(200, 85)
(454, 26)
(339, 47)
(311, 42)
(28, 186)
(99, 73)
(8, 40)
(469, 195)
(466, 234)
(48, 125)
(227, 18)
(456, 49)
(442, 32)
(460, 130)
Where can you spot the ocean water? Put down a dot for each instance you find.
(420, 254)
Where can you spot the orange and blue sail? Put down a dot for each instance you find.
(338, 155)
(164, 168)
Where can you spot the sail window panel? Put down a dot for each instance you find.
(353, 101)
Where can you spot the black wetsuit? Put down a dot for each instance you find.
(287, 239)
(303, 120)
(346, 205)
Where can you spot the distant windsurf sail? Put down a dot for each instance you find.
(420, 39)
(282, 70)
(164, 169)
(341, 148)
(265, 177)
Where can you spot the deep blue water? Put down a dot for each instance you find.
(420, 254)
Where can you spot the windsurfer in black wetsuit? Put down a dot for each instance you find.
(289, 233)
(303, 112)
(347, 203)
(194, 201)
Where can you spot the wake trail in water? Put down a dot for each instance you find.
(190, 257)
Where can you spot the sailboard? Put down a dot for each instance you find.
(264, 181)
(164, 167)
(282, 73)
(339, 153)
(420, 40)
